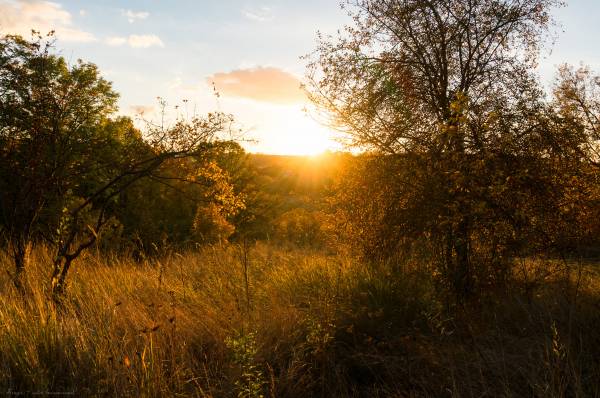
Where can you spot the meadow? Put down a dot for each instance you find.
(439, 253)
(261, 320)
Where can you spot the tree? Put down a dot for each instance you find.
(66, 159)
(179, 196)
(576, 106)
(49, 118)
(445, 91)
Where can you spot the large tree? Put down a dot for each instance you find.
(66, 159)
(50, 126)
(445, 90)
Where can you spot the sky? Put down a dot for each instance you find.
(250, 51)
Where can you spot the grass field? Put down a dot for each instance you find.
(264, 321)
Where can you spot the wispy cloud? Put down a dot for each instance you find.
(145, 41)
(21, 16)
(135, 41)
(133, 16)
(141, 109)
(260, 14)
(265, 84)
(115, 41)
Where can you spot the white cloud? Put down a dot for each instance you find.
(116, 41)
(133, 16)
(261, 14)
(144, 41)
(21, 16)
(135, 41)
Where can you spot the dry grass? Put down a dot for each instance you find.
(221, 322)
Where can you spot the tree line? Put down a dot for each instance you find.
(472, 164)
(71, 170)
(75, 175)
(467, 162)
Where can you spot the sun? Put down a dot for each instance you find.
(305, 137)
(310, 143)
(286, 130)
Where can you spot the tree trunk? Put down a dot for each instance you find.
(463, 275)
(20, 251)
(59, 277)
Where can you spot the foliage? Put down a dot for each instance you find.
(469, 159)
(52, 118)
(66, 160)
(184, 200)
(251, 382)
(281, 192)
(301, 227)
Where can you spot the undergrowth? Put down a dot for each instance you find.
(282, 323)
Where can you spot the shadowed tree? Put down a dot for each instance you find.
(65, 159)
(445, 91)
(50, 117)
(183, 193)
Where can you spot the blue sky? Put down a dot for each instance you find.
(251, 49)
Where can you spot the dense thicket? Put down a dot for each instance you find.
(68, 164)
(73, 174)
(471, 160)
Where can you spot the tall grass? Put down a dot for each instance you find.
(252, 321)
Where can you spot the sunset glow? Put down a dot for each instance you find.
(316, 198)
(290, 132)
(247, 52)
